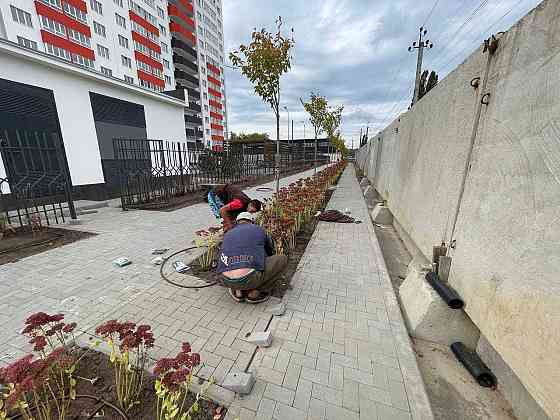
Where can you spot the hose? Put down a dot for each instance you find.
(474, 364)
(448, 295)
(167, 279)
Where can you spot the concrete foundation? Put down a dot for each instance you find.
(428, 317)
(381, 215)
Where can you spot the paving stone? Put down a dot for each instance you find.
(266, 409)
(303, 394)
(279, 394)
(285, 412)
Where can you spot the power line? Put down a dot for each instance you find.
(463, 25)
(482, 33)
(431, 12)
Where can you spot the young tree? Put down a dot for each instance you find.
(263, 62)
(317, 108)
(332, 121)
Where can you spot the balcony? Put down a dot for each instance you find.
(179, 59)
(195, 107)
(193, 120)
(180, 74)
(177, 43)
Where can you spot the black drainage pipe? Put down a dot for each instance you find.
(474, 364)
(448, 295)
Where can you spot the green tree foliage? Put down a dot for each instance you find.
(249, 138)
(317, 108)
(339, 143)
(428, 80)
(263, 61)
(331, 124)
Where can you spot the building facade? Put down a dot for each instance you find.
(198, 55)
(157, 44)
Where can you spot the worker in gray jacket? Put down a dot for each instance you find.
(246, 262)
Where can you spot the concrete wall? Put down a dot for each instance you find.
(508, 231)
(71, 87)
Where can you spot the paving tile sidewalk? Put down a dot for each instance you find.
(79, 280)
(341, 351)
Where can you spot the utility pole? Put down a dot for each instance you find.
(420, 45)
(303, 122)
(292, 129)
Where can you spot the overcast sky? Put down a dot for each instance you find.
(354, 52)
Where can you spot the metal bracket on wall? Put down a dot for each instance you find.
(485, 100)
(475, 82)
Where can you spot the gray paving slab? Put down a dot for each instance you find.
(343, 346)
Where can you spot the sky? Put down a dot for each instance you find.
(354, 52)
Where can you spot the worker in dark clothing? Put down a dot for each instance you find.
(228, 201)
(246, 262)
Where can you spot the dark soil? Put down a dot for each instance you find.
(197, 197)
(97, 365)
(24, 243)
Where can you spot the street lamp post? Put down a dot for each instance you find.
(303, 122)
(288, 111)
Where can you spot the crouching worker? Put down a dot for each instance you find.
(247, 265)
(228, 201)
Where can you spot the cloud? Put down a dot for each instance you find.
(354, 52)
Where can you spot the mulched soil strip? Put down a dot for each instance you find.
(192, 198)
(24, 243)
(97, 365)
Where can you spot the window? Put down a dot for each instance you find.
(58, 52)
(204, 83)
(162, 30)
(206, 108)
(129, 79)
(123, 42)
(118, 2)
(207, 120)
(27, 43)
(205, 95)
(20, 16)
(53, 26)
(160, 12)
(55, 3)
(120, 20)
(75, 12)
(103, 51)
(164, 47)
(99, 29)
(97, 6)
(106, 71)
(83, 61)
(78, 37)
(127, 62)
(166, 64)
(167, 80)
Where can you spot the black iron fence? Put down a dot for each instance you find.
(153, 173)
(36, 187)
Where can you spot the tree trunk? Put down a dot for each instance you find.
(277, 163)
(315, 159)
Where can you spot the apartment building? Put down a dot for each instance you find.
(198, 55)
(160, 45)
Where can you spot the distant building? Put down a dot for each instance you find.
(160, 45)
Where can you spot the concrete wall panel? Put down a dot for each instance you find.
(506, 261)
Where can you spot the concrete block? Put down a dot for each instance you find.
(277, 310)
(239, 382)
(428, 317)
(381, 215)
(74, 222)
(261, 338)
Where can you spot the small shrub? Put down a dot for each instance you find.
(174, 379)
(129, 356)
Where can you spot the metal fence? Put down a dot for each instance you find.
(36, 188)
(154, 173)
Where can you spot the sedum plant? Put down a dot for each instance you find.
(129, 355)
(174, 379)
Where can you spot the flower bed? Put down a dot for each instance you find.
(289, 219)
(61, 381)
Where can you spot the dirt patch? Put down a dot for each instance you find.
(97, 365)
(24, 243)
